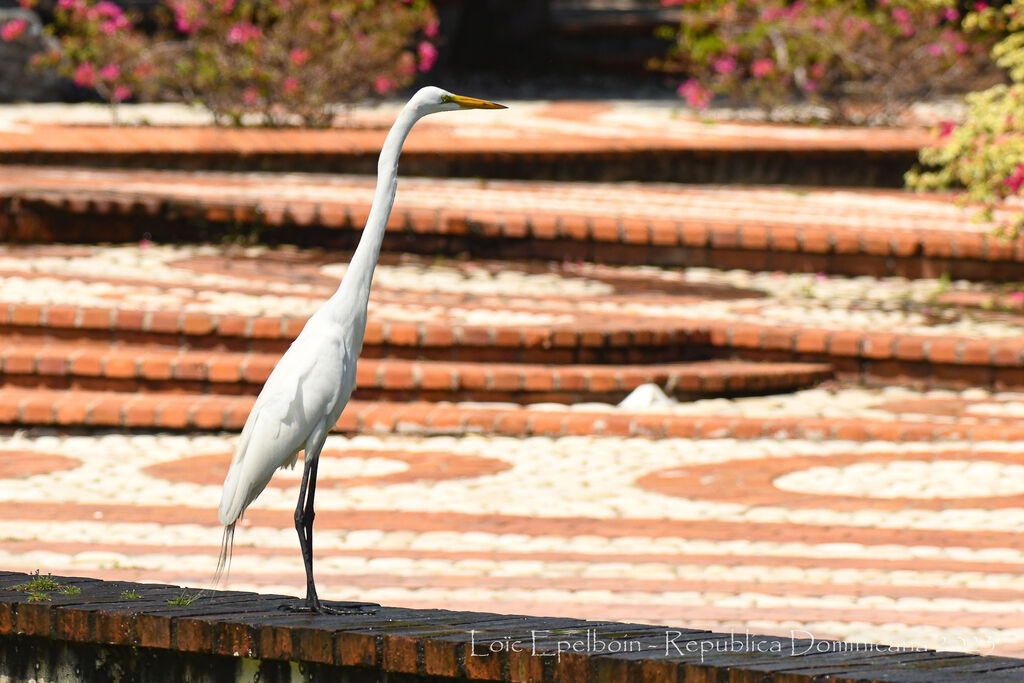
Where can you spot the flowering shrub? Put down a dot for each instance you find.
(100, 48)
(858, 57)
(276, 58)
(985, 154)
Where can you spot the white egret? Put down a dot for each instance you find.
(308, 389)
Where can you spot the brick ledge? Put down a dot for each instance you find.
(418, 644)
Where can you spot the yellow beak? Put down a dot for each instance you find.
(474, 103)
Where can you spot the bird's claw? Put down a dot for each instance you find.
(343, 608)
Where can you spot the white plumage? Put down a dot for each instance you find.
(311, 384)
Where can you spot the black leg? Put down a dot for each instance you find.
(304, 526)
(304, 515)
(307, 521)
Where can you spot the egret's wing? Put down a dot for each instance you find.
(306, 386)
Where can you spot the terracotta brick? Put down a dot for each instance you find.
(197, 324)
(96, 318)
(19, 360)
(121, 364)
(878, 345)
(434, 335)
(234, 325)
(61, 316)
(167, 322)
(845, 343)
(129, 319)
(976, 352)
(264, 327)
(944, 350)
(107, 412)
(156, 365)
(26, 315)
(547, 424)
(578, 228)
(223, 368)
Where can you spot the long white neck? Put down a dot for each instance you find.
(354, 291)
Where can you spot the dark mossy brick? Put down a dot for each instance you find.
(235, 639)
(399, 653)
(356, 649)
(193, 634)
(440, 658)
(314, 644)
(569, 668)
(482, 666)
(275, 641)
(74, 624)
(153, 630)
(524, 666)
(33, 618)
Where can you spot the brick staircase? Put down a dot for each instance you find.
(143, 356)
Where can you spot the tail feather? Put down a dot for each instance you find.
(227, 545)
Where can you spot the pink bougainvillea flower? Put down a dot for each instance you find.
(243, 32)
(432, 28)
(945, 128)
(724, 65)
(1017, 297)
(428, 55)
(951, 14)
(65, 4)
(384, 84)
(121, 93)
(1016, 179)
(110, 72)
(290, 85)
(817, 71)
(696, 95)
(763, 67)
(251, 96)
(13, 29)
(85, 75)
(935, 50)
(299, 56)
(105, 8)
(810, 86)
(980, 6)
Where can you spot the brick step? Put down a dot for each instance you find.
(560, 141)
(584, 339)
(127, 368)
(872, 357)
(844, 232)
(59, 408)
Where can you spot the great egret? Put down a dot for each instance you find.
(308, 389)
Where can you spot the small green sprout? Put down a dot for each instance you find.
(183, 599)
(130, 595)
(39, 584)
(36, 596)
(70, 590)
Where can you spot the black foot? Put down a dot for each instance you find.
(336, 608)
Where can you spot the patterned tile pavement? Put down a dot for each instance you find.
(870, 514)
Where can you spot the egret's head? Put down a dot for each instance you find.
(430, 100)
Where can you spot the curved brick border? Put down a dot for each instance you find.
(47, 407)
(751, 482)
(421, 466)
(21, 464)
